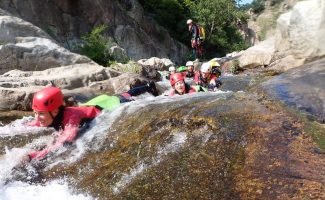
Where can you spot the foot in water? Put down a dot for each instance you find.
(153, 89)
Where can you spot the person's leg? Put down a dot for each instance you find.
(150, 88)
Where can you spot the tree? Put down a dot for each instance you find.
(220, 19)
(95, 46)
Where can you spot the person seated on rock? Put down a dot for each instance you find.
(206, 79)
(189, 73)
(180, 87)
(50, 111)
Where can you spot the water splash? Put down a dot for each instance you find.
(18, 127)
(53, 190)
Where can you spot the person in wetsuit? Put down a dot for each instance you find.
(49, 110)
(180, 87)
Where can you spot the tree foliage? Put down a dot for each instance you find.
(95, 46)
(171, 14)
(220, 19)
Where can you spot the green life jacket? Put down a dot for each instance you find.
(104, 101)
(181, 69)
(199, 88)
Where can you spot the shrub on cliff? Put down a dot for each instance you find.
(95, 46)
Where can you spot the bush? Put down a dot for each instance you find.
(258, 6)
(171, 14)
(95, 46)
(234, 66)
(274, 2)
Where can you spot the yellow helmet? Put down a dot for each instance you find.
(214, 63)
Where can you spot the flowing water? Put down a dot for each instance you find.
(201, 146)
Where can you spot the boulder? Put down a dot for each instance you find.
(119, 54)
(33, 53)
(17, 87)
(259, 55)
(301, 32)
(303, 88)
(286, 63)
(12, 27)
(153, 65)
(79, 82)
(118, 84)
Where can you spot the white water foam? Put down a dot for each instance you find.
(18, 127)
(53, 190)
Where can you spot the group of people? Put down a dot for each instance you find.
(206, 79)
(50, 110)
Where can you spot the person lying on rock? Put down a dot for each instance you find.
(49, 110)
(206, 79)
(180, 87)
(189, 73)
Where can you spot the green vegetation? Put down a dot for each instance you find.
(95, 46)
(234, 66)
(172, 14)
(220, 19)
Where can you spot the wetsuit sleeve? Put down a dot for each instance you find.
(68, 135)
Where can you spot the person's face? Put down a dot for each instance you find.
(180, 87)
(45, 118)
(205, 74)
(172, 72)
(190, 68)
(189, 26)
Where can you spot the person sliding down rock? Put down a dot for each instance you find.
(50, 111)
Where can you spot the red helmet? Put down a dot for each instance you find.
(174, 78)
(48, 99)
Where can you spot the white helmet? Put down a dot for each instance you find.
(206, 67)
(189, 63)
(189, 21)
(172, 68)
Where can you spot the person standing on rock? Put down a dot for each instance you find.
(195, 39)
(49, 110)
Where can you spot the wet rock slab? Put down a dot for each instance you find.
(303, 88)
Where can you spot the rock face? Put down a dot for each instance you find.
(66, 21)
(301, 32)
(12, 27)
(17, 87)
(299, 39)
(259, 55)
(34, 53)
